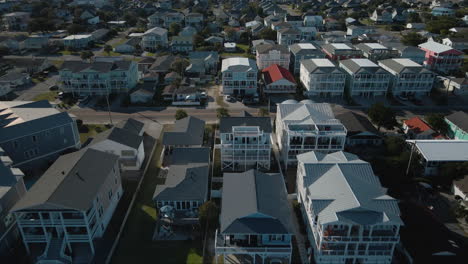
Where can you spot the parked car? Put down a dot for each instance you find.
(402, 97)
(229, 98)
(53, 88)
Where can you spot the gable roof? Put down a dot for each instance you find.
(131, 125)
(187, 177)
(275, 73)
(307, 113)
(226, 123)
(460, 119)
(356, 123)
(261, 209)
(344, 189)
(119, 135)
(437, 47)
(266, 48)
(187, 131)
(417, 125)
(20, 117)
(72, 182)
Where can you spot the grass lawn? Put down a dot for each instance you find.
(92, 131)
(136, 245)
(66, 52)
(57, 63)
(49, 96)
(111, 53)
(220, 101)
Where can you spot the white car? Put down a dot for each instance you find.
(228, 98)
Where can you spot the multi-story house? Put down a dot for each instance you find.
(303, 51)
(306, 126)
(442, 11)
(409, 78)
(313, 21)
(255, 227)
(181, 44)
(12, 189)
(458, 125)
(440, 57)
(36, 42)
(165, 19)
(245, 143)
(268, 55)
(413, 53)
(77, 41)
(307, 33)
(322, 78)
(365, 78)
(349, 217)
(376, 51)
(194, 19)
(433, 154)
(16, 21)
(341, 51)
(355, 31)
(70, 206)
(173, 17)
(239, 76)
(33, 134)
(380, 16)
(186, 185)
(204, 62)
(154, 39)
(277, 79)
(288, 36)
(98, 77)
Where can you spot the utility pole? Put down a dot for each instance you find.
(410, 157)
(108, 108)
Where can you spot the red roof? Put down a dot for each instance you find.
(417, 125)
(275, 73)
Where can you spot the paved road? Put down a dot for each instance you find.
(30, 93)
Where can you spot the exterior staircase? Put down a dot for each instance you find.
(54, 253)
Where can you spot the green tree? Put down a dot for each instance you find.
(382, 116)
(394, 145)
(263, 112)
(437, 122)
(75, 29)
(208, 214)
(198, 40)
(230, 33)
(268, 33)
(442, 24)
(413, 39)
(222, 112)
(414, 18)
(174, 29)
(180, 114)
(87, 54)
(107, 49)
(180, 65)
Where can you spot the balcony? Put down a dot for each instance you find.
(246, 146)
(223, 246)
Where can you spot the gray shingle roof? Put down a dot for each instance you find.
(265, 48)
(131, 125)
(21, 117)
(309, 113)
(100, 66)
(187, 178)
(356, 123)
(343, 188)
(72, 182)
(359, 65)
(226, 123)
(249, 195)
(119, 135)
(460, 119)
(187, 131)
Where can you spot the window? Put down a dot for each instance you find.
(101, 211)
(110, 194)
(15, 144)
(34, 138)
(128, 153)
(276, 237)
(62, 130)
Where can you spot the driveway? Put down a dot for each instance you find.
(30, 93)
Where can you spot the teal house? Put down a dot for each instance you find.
(458, 125)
